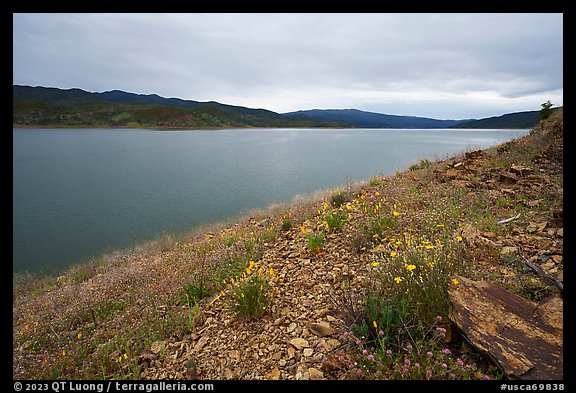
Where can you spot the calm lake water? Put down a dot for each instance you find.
(79, 192)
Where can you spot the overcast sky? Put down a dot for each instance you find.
(444, 66)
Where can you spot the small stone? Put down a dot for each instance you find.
(291, 352)
(508, 250)
(234, 354)
(275, 373)
(321, 329)
(291, 327)
(302, 376)
(308, 352)
(158, 346)
(200, 344)
(521, 170)
(507, 177)
(331, 344)
(282, 362)
(228, 374)
(314, 373)
(537, 227)
(299, 343)
(534, 203)
(548, 266)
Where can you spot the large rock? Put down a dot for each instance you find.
(525, 339)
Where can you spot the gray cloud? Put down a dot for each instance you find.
(436, 65)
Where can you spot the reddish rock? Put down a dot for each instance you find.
(525, 339)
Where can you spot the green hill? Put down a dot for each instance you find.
(52, 107)
(510, 120)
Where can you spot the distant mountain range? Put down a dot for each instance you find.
(362, 119)
(53, 107)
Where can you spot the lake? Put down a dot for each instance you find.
(80, 192)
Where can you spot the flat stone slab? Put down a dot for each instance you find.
(524, 338)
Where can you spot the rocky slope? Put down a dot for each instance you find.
(304, 333)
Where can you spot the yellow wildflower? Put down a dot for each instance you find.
(375, 324)
(398, 279)
(455, 281)
(377, 193)
(393, 253)
(375, 263)
(459, 238)
(395, 213)
(79, 336)
(410, 267)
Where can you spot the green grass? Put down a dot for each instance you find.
(315, 242)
